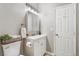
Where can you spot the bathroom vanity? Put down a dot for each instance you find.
(36, 45)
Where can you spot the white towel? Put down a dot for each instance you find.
(23, 32)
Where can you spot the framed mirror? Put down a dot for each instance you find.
(32, 24)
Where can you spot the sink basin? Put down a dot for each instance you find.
(36, 36)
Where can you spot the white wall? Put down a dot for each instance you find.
(11, 17)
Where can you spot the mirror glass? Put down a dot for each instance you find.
(32, 24)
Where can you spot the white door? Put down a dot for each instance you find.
(66, 30)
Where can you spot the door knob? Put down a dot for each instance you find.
(56, 34)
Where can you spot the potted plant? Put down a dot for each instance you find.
(4, 38)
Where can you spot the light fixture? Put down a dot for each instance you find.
(31, 9)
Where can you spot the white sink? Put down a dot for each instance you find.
(36, 36)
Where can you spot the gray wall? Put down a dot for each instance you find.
(11, 17)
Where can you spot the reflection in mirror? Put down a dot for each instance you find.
(32, 24)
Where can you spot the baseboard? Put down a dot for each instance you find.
(50, 53)
(21, 55)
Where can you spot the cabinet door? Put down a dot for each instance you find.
(42, 44)
(36, 48)
(12, 49)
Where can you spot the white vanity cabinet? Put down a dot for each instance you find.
(12, 49)
(38, 45)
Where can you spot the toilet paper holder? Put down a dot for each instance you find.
(29, 44)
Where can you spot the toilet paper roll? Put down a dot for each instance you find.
(29, 44)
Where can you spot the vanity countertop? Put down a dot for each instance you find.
(36, 36)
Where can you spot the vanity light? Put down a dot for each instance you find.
(34, 12)
(28, 8)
